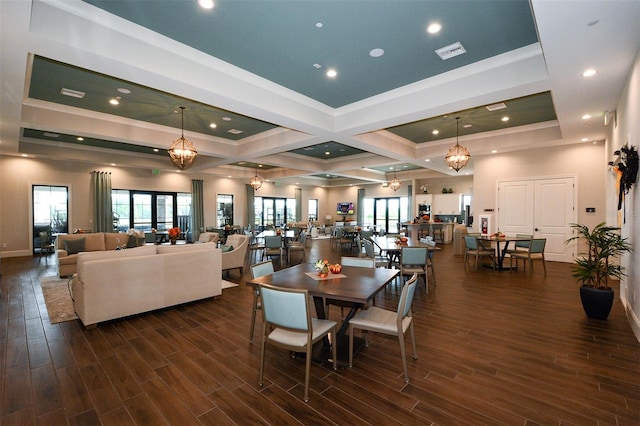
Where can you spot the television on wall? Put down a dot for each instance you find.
(345, 209)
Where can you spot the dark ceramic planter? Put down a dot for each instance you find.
(596, 302)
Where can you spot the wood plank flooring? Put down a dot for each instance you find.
(494, 348)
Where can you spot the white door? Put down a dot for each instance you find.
(541, 207)
(515, 207)
(554, 210)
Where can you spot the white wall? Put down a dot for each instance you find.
(626, 131)
(586, 161)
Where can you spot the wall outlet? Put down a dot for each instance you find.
(4, 245)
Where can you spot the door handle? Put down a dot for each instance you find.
(536, 229)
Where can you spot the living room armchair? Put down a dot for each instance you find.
(236, 257)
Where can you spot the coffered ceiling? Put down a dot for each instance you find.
(252, 76)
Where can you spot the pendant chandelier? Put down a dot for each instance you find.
(458, 156)
(395, 183)
(182, 152)
(256, 181)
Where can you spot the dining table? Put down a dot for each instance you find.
(356, 286)
(501, 253)
(390, 247)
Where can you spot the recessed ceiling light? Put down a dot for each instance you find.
(427, 160)
(435, 132)
(155, 150)
(24, 155)
(434, 28)
(206, 4)
(584, 139)
(586, 116)
(235, 131)
(332, 73)
(589, 72)
(376, 53)
(123, 90)
(114, 101)
(494, 151)
(505, 119)
(226, 118)
(213, 125)
(467, 126)
(319, 25)
(450, 51)
(259, 165)
(112, 164)
(51, 135)
(327, 153)
(73, 93)
(80, 138)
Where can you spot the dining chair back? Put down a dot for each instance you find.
(363, 262)
(45, 245)
(273, 247)
(415, 260)
(535, 252)
(258, 270)
(473, 248)
(382, 321)
(288, 325)
(298, 246)
(523, 245)
(380, 261)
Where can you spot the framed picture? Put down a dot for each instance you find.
(485, 225)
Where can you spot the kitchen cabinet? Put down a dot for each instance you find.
(446, 204)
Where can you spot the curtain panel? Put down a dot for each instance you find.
(197, 208)
(298, 193)
(251, 210)
(360, 207)
(101, 195)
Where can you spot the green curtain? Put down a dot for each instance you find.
(197, 208)
(410, 203)
(101, 194)
(298, 193)
(251, 210)
(360, 207)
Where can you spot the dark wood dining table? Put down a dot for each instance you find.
(355, 285)
(501, 253)
(388, 246)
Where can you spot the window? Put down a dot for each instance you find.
(386, 213)
(274, 212)
(313, 209)
(225, 210)
(144, 210)
(50, 211)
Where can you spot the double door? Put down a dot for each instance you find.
(544, 208)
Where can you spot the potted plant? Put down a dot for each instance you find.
(594, 268)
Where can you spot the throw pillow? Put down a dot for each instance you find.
(74, 246)
(133, 241)
(225, 248)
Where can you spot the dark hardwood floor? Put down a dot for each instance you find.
(493, 348)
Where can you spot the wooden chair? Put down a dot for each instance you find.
(288, 325)
(475, 249)
(535, 251)
(388, 322)
(298, 246)
(258, 270)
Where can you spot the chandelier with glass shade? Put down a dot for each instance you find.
(395, 182)
(182, 152)
(256, 181)
(458, 156)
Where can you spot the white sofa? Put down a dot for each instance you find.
(114, 284)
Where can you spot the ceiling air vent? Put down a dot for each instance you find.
(235, 131)
(496, 107)
(450, 51)
(73, 93)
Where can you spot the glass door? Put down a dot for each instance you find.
(387, 214)
(50, 212)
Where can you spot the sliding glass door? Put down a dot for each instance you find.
(50, 211)
(386, 214)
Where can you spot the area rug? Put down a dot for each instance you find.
(228, 284)
(57, 299)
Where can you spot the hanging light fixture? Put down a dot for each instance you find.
(256, 181)
(182, 152)
(458, 156)
(395, 183)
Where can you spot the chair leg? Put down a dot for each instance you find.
(264, 344)
(307, 373)
(544, 266)
(351, 346)
(253, 316)
(403, 355)
(334, 349)
(413, 341)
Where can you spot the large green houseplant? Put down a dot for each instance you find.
(594, 268)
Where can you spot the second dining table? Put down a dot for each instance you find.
(388, 246)
(355, 285)
(502, 252)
